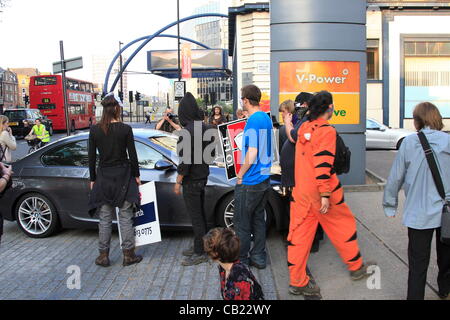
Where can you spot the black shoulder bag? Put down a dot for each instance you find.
(445, 224)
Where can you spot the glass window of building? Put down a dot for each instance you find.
(373, 60)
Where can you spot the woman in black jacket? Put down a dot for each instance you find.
(115, 183)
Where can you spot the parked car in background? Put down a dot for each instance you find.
(379, 136)
(51, 187)
(18, 116)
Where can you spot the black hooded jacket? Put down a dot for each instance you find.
(190, 116)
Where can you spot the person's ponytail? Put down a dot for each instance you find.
(319, 104)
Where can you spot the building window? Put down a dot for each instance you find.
(427, 75)
(373, 60)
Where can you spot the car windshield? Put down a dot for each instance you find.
(15, 115)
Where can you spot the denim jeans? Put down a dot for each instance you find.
(249, 219)
(202, 221)
(107, 214)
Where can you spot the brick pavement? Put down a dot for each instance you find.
(37, 269)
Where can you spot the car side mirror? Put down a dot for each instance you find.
(163, 165)
(382, 129)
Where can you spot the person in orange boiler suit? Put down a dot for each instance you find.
(318, 197)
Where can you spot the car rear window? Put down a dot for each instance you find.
(15, 115)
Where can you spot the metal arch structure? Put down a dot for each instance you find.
(105, 86)
(146, 40)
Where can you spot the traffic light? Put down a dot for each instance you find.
(130, 96)
(26, 99)
(138, 96)
(121, 96)
(206, 99)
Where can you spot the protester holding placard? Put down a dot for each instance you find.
(193, 174)
(253, 180)
(115, 182)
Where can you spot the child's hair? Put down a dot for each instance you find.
(222, 244)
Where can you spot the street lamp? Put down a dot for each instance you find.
(121, 78)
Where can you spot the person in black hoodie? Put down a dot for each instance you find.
(193, 172)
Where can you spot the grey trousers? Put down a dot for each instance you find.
(107, 214)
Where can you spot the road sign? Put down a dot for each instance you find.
(180, 89)
(71, 64)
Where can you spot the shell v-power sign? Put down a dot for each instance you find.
(338, 77)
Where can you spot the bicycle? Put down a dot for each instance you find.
(35, 144)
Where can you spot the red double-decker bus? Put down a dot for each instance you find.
(46, 94)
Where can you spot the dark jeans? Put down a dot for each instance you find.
(202, 222)
(419, 250)
(249, 219)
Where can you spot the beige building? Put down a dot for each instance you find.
(249, 43)
(100, 64)
(23, 78)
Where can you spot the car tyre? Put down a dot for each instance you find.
(50, 130)
(36, 216)
(225, 212)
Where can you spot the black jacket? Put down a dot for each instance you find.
(191, 117)
(115, 178)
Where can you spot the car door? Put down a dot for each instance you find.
(171, 208)
(375, 137)
(65, 175)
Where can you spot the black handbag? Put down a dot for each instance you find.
(445, 224)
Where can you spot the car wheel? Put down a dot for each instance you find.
(399, 143)
(50, 131)
(225, 213)
(36, 216)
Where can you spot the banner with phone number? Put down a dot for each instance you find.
(146, 221)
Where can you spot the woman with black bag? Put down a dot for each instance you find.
(423, 160)
(115, 183)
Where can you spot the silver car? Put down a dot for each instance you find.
(379, 136)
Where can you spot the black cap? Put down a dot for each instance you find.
(303, 97)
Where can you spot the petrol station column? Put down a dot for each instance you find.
(321, 45)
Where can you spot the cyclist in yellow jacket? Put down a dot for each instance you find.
(40, 132)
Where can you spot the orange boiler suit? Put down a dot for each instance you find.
(315, 178)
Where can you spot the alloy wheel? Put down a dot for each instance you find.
(35, 215)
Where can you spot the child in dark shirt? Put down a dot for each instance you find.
(236, 280)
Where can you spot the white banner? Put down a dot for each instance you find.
(146, 221)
